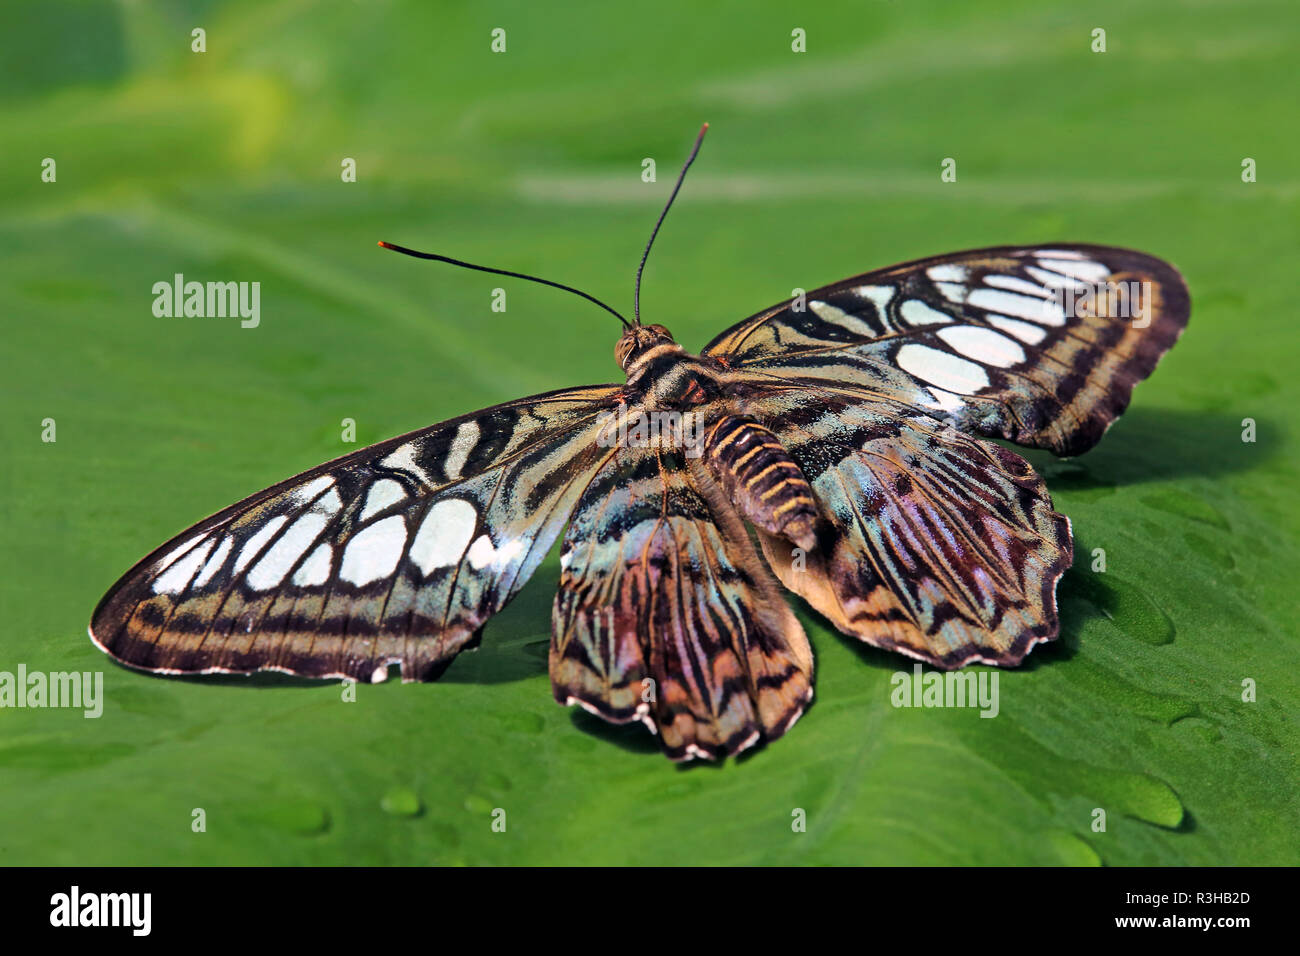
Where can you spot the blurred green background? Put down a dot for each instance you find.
(226, 165)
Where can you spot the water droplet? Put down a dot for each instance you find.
(401, 802)
(1041, 772)
(1166, 709)
(1136, 795)
(1127, 606)
(476, 804)
(1072, 850)
(1206, 730)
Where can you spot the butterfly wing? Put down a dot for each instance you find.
(397, 553)
(1039, 345)
(935, 544)
(666, 614)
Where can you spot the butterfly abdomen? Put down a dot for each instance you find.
(761, 478)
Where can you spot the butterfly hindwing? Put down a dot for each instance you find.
(1039, 345)
(397, 553)
(666, 614)
(933, 543)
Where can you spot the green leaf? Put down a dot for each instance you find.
(226, 165)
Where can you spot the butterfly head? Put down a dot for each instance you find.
(638, 340)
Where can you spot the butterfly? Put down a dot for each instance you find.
(837, 444)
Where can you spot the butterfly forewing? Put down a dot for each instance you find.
(394, 554)
(1038, 344)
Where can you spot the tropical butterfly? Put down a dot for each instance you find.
(835, 443)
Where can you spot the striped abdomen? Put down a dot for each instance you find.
(761, 478)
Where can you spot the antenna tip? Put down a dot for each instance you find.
(384, 245)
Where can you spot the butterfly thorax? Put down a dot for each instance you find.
(738, 462)
(663, 376)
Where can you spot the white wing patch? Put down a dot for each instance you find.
(1043, 311)
(309, 491)
(374, 551)
(269, 553)
(215, 562)
(315, 570)
(1016, 284)
(877, 295)
(402, 459)
(271, 568)
(467, 435)
(1051, 280)
(1026, 332)
(953, 291)
(943, 369)
(444, 534)
(482, 552)
(983, 345)
(178, 575)
(253, 546)
(837, 316)
(1076, 267)
(916, 312)
(1036, 298)
(167, 559)
(1060, 253)
(948, 272)
(946, 401)
(383, 493)
(1019, 307)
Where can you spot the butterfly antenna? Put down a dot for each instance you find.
(505, 272)
(636, 296)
